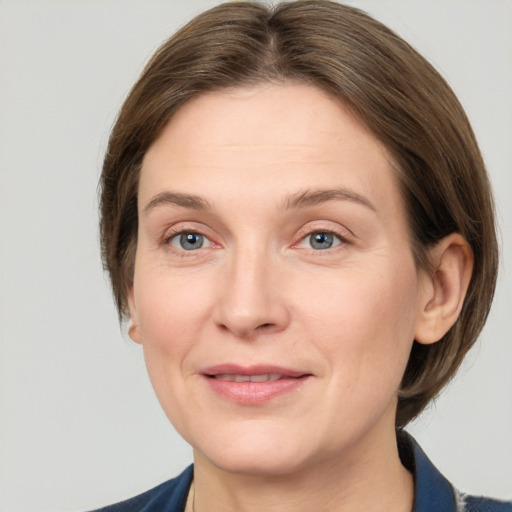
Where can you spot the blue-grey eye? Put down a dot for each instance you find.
(322, 240)
(188, 241)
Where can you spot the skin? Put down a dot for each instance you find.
(258, 292)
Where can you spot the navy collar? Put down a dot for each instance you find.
(431, 489)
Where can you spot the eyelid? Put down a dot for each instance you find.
(325, 227)
(206, 241)
(305, 239)
(186, 227)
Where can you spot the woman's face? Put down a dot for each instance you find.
(275, 293)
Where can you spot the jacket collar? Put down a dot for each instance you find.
(431, 489)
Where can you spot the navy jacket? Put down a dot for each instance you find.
(433, 493)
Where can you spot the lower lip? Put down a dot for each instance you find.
(253, 393)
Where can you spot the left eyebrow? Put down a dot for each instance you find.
(314, 197)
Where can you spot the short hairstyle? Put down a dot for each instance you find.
(390, 87)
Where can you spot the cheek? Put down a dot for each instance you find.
(170, 312)
(365, 320)
(169, 308)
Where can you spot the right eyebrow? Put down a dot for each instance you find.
(178, 199)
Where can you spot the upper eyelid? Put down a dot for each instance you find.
(325, 226)
(342, 239)
(185, 227)
(312, 226)
(169, 235)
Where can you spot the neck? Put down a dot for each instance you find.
(366, 478)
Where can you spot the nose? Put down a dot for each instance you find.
(251, 299)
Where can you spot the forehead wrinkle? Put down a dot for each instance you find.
(251, 145)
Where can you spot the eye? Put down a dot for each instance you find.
(189, 241)
(321, 240)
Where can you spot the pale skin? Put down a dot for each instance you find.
(298, 256)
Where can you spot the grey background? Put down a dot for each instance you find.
(79, 425)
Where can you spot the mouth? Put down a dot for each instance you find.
(253, 385)
(265, 377)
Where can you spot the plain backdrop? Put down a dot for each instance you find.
(79, 424)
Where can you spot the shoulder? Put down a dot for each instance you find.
(481, 504)
(433, 491)
(169, 496)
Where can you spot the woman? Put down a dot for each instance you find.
(299, 228)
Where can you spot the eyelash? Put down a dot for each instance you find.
(175, 234)
(338, 240)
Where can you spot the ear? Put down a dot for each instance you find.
(134, 329)
(444, 289)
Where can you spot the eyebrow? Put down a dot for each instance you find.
(179, 199)
(300, 199)
(315, 197)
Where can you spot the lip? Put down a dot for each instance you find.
(253, 393)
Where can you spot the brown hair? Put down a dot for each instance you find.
(389, 86)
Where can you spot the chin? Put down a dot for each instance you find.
(261, 453)
(256, 462)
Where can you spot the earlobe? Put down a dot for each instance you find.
(444, 289)
(133, 330)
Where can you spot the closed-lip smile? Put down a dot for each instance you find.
(252, 385)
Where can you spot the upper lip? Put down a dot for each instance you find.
(235, 369)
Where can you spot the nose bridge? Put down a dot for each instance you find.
(251, 300)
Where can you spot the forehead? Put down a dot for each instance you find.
(264, 114)
(271, 138)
